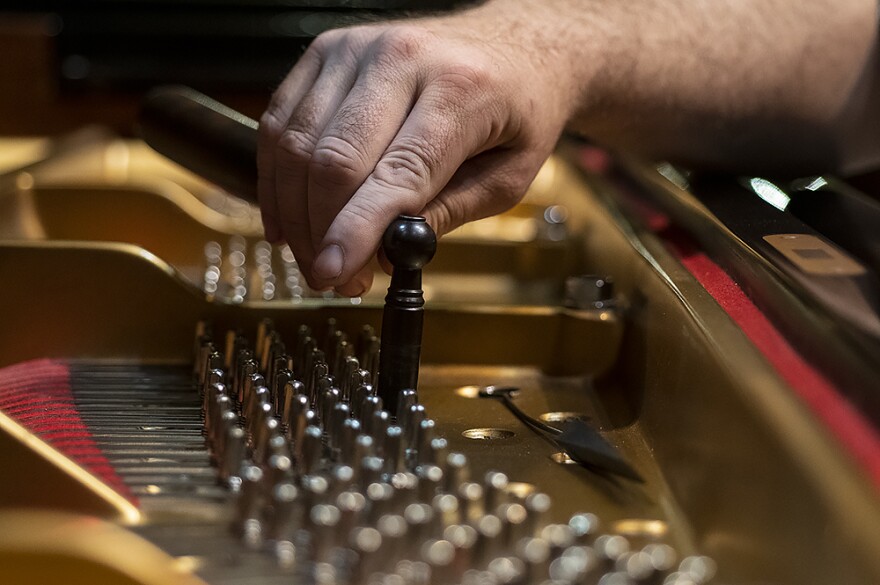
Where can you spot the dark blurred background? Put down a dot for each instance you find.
(66, 64)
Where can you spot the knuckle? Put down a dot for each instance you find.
(403, 42)
(409, 165)
(270, 122)
(336, 161)
(295, 146)
(467, 78)
(324, 41)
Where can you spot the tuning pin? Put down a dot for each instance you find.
(247, 368)
(209, 406)
(470, 496)
(295, 406)
(535, 553)
(264, 328)
(327, 401)
(405, 400)
(250, 501)
(537, 505)
(283, 499)
(262, 427)
(393, 450)
(457, 472)
(430, 481)
(291, 391)
(317, 371)
(419, 519)
(335, 427)
(227, 419)
(312, 450)
(445, 510)
(421, 453)
(348, 376)
(368, 407)
(380, 496)
(359, 384)
(324, 519)
(488, 545)
(279, 466)
(371, 469)
(234, 449)
(305, 348)
(212, 380)
(365, 541)
(494, 486)
(393, 529)
(376, 427)
(513, 520)
(353, 446)
(341, 353)
(584, 526)
(410, 424)
(439, 452)
(283, 377)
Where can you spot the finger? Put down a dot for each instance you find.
(359, 285)
(436, 138)
(272, 124)
(294, 151)
(486, 185)
(354, 140)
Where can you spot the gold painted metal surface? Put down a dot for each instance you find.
(735, 465)
(116, 190)
(42, 547)
(38, 476)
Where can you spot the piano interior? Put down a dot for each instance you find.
(593, 404)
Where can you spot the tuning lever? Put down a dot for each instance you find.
(409, 243)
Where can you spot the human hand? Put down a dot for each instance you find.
(432, 117)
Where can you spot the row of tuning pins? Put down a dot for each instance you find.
(341, 492)
(306, 411)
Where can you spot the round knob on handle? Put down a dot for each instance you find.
(409, 242)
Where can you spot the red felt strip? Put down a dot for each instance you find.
(846, 423)
(37, 395)
(829, 405)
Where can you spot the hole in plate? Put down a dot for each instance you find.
(488, 434)
(556, 417)
(640, 527)
(563, 459)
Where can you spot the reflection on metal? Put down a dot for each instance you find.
(674, 175)
(816, 184)
(468, 391)
(559, 417)
(562, 457)
(640, 527)
(814, 255)
(488, 434)
(521, 489)
(770, 193)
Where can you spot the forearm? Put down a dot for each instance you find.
(754, 84)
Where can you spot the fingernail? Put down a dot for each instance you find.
(328, 265)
